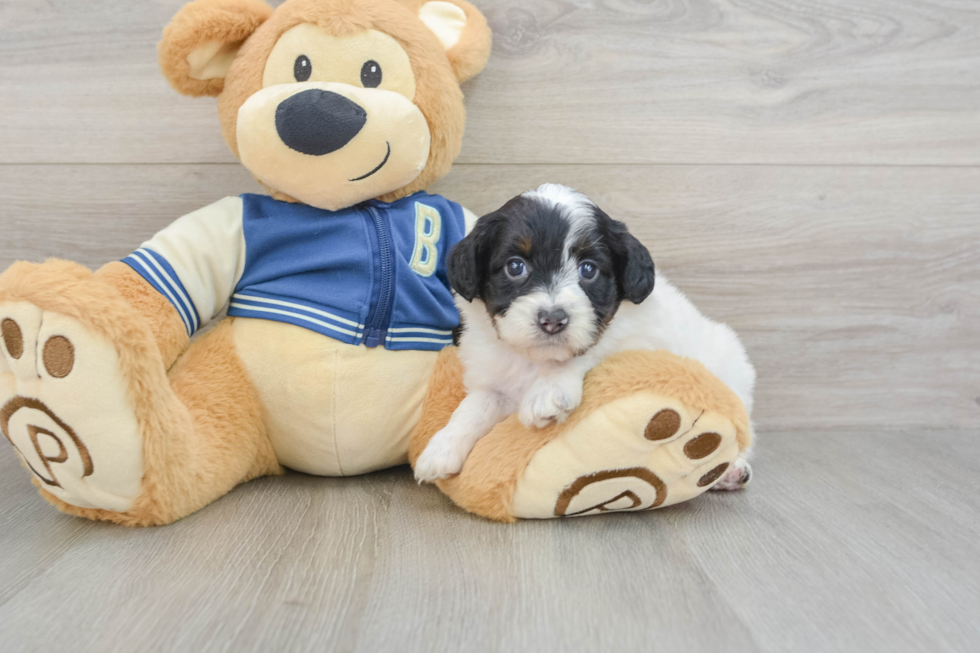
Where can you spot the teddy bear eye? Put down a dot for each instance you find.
(302, 69)
(371, 74)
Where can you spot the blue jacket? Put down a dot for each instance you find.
(372, 274)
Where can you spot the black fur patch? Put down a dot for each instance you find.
(633, 265)
(538, 233)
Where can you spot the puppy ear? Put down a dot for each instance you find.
(462, 269)
(635, 272)
(467, 265)
(638, 274)
(202, 40)
(462, 30)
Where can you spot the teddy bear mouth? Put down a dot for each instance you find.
(379, 166)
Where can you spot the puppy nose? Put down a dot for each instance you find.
(318, 122)
(552, 322)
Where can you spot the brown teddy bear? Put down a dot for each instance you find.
(334, 357)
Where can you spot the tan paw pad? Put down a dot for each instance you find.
(64, 406)
(13, 337)
(59, 356)
(638, 452)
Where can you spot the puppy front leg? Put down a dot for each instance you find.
(475, 416)
(555, 393)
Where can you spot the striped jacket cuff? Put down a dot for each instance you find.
(340, 327)
(415, 337)
(158, 273)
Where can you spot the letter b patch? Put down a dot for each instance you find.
(428, 229)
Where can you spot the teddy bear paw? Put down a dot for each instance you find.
(65, 408)
(639, 452)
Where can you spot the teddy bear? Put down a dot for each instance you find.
(129, 401)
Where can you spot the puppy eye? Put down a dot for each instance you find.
(588, 270)
(516, 268)
(371, 74)
(302, 69)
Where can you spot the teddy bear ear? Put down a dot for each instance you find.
(463, 32)
(202, 40)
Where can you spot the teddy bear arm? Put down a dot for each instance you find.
(182, 278)
(161, 316)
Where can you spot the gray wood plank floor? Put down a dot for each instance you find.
(807, 170)
(846, 542)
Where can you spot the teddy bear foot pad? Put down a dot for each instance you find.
(639, 452)
(64, 407)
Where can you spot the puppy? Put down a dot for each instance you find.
(548, 286)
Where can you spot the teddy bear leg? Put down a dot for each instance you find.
(653, 429)
(219, 439)
(87, 404)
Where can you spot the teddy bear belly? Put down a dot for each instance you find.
(333, 409)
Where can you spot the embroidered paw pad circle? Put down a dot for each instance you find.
(638, 452)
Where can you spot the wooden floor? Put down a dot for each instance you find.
(846, 542)
(807, 170)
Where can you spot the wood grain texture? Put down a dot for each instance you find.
(572, 81)
(856, 290)
(844, 542)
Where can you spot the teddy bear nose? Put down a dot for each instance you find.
(318, 122)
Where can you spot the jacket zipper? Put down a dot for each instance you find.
(377, 327)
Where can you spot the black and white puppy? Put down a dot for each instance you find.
(539, 283)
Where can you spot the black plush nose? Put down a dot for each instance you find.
(318, 122)
(552, 322)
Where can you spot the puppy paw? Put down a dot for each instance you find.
(550, 399)
(443, 457)
(736, 477)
